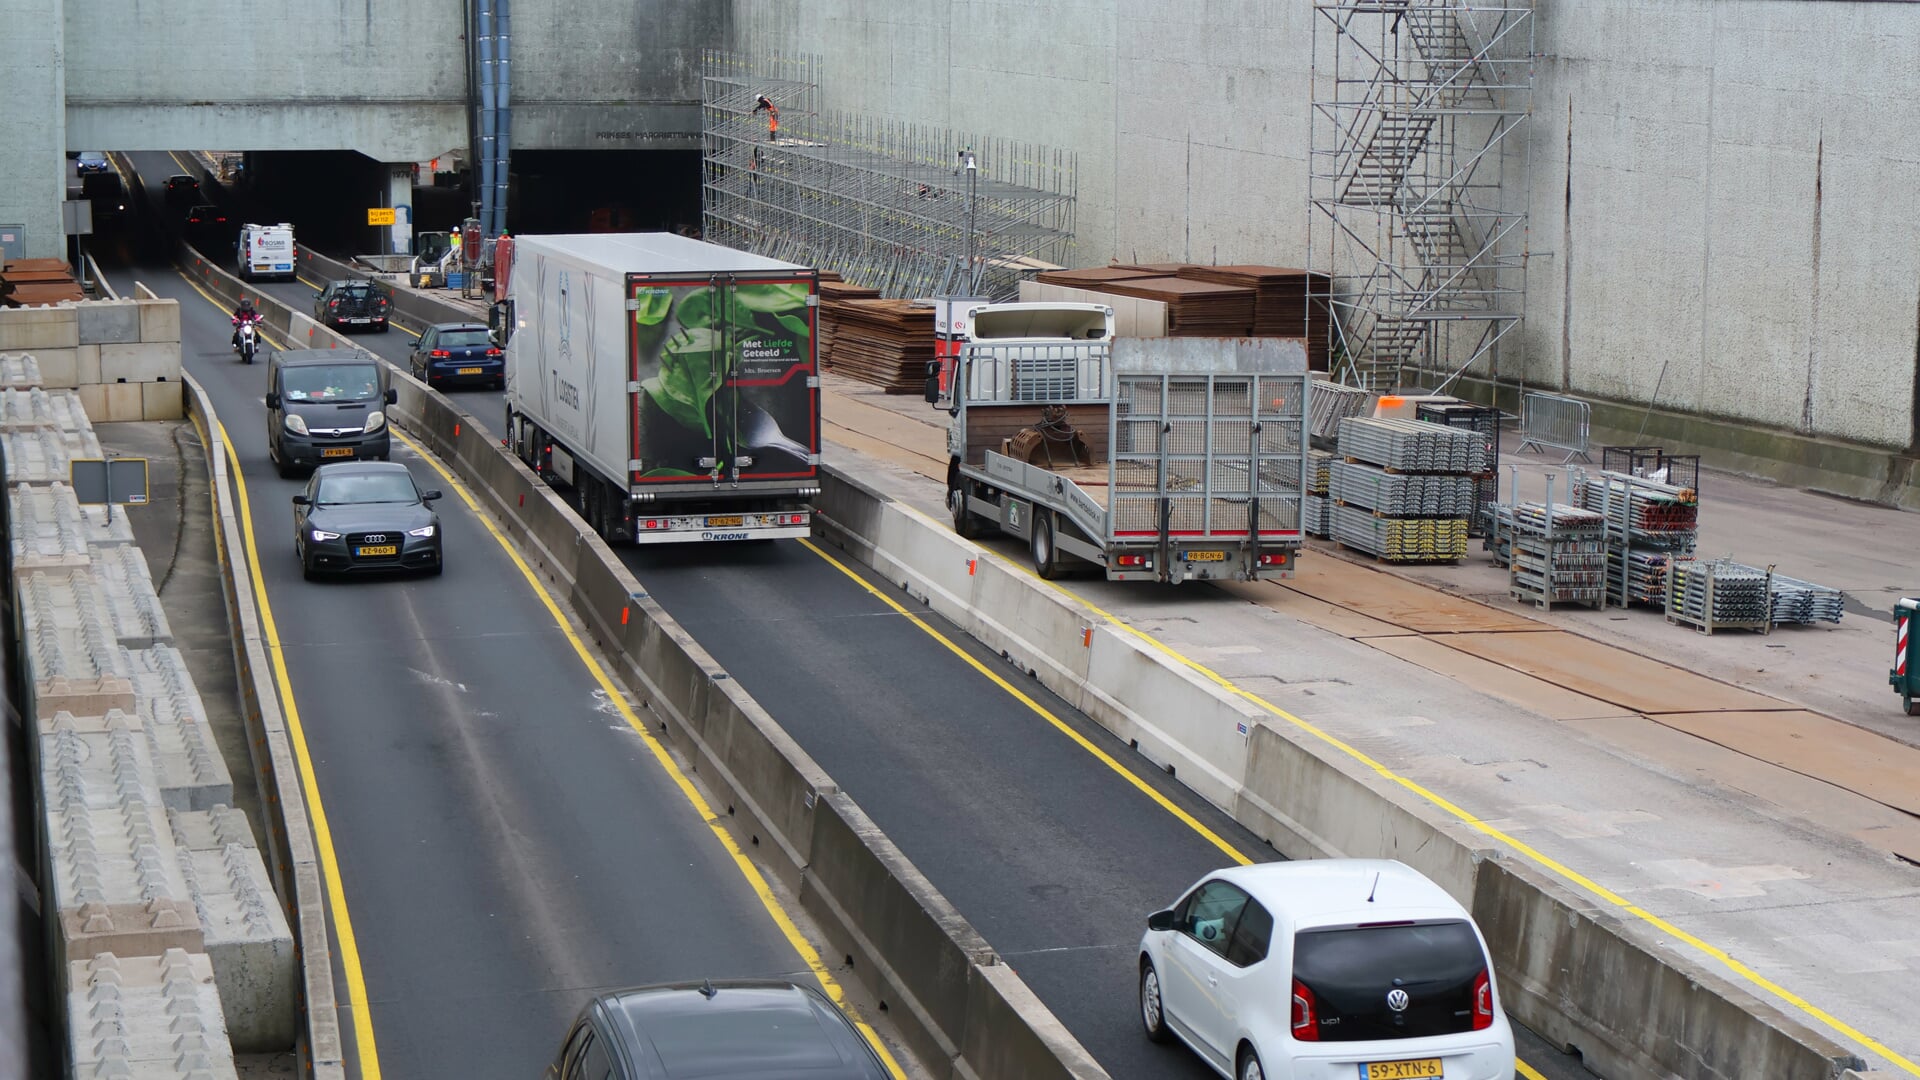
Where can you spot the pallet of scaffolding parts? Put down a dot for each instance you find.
(1053, 441)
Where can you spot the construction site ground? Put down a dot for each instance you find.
(1759, 791)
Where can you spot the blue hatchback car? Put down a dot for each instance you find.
(458, 354)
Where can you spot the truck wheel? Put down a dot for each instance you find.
(965, 522)
(1046, 561)
(1908, 702)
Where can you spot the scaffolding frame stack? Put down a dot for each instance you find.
(1720, 594)
(1333, 402)
(1554, 554)
(1418, 170)
(1485, 420)
(1402, 489)
(1319, 504)
(911, 210)
(1650, 525)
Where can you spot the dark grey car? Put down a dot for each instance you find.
(733, 1029)
(365, 516)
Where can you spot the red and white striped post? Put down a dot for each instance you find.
(1900, 650)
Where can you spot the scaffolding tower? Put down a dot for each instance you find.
(910, 210)
(1418, 170)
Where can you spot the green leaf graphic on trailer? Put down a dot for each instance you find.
(691, 371)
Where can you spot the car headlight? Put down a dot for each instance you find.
(296, 423)
(375, 421)
(423, 532)
(322, 534)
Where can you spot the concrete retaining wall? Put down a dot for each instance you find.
(1570, 971)
(123, 356)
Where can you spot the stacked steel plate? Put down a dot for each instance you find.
(1400, 489)
(1412, 446)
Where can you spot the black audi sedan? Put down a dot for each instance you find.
(733, 1029)
(365, 516)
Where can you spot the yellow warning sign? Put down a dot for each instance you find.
(380, 215)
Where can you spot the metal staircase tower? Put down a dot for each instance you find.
(1417, 181)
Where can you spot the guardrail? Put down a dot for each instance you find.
(960, 1008)
(1556, 422)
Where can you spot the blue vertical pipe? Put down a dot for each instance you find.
(484, 44)
(502, 115)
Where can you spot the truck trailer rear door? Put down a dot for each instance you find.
(725, 382)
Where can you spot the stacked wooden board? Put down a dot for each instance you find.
(888, 343)
(30, 282)
(833, 293)
(1287, 302)
(1221, 301)
(1194, 308)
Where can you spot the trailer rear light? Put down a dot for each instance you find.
(1277, 558)
(439, 354)
(791, 519)
(655, 523)
(1130, 560)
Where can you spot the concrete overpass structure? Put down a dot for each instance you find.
(389, 79)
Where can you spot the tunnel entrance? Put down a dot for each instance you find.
(565, 191)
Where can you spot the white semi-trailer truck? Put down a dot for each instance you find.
(667, 386)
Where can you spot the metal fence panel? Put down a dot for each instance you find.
(1550, 421)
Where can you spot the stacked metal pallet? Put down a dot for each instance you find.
(1649, 524)
(1796, 601)
(1318, 507)
(1556, 555)
(1402, 494)
(1719, 594)
(1401, 490)
(1332, 402)
(1485, 421)
(1400, 539)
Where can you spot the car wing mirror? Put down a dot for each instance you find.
(429, 496)
(1160, 920)
(273, 401)
(393, 396)
(302, 500)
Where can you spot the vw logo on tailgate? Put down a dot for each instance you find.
(1397, 1000)
(381, 538)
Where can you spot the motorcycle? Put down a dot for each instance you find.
(247, 343)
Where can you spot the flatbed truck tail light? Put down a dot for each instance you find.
(1274, 558)
(1131, 561)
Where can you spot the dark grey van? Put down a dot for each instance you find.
(326, 405)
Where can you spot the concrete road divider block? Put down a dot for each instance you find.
(38, 329)
(1310, 807)
(123, 402)
(1010, 1033)
(908, 944)
(126, 585)
(32, 407)
(71, 655)
(192, 773)
(249, 941)
(105, 321)
(86, 363)
(1641, 1008)
(211, 829)
(59, 368)
(140, 1017)
(107, 530)
(163, 400)
(1176, 716)
(49, 532)
(140, 362)
(159, 320)
(19, 370)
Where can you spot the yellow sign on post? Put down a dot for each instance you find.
(379, 215)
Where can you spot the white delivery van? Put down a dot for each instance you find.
(266, 251)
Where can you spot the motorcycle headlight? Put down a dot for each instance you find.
(322, 534)
(375, 421)
(423, 532)
(296, 423)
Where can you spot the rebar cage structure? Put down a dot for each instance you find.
(1418, 167)
(911, 210)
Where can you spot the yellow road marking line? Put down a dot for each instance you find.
(363, 1039)
(1527, 1070)
(714, 822)
(1042, 711)
(1565, 872)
